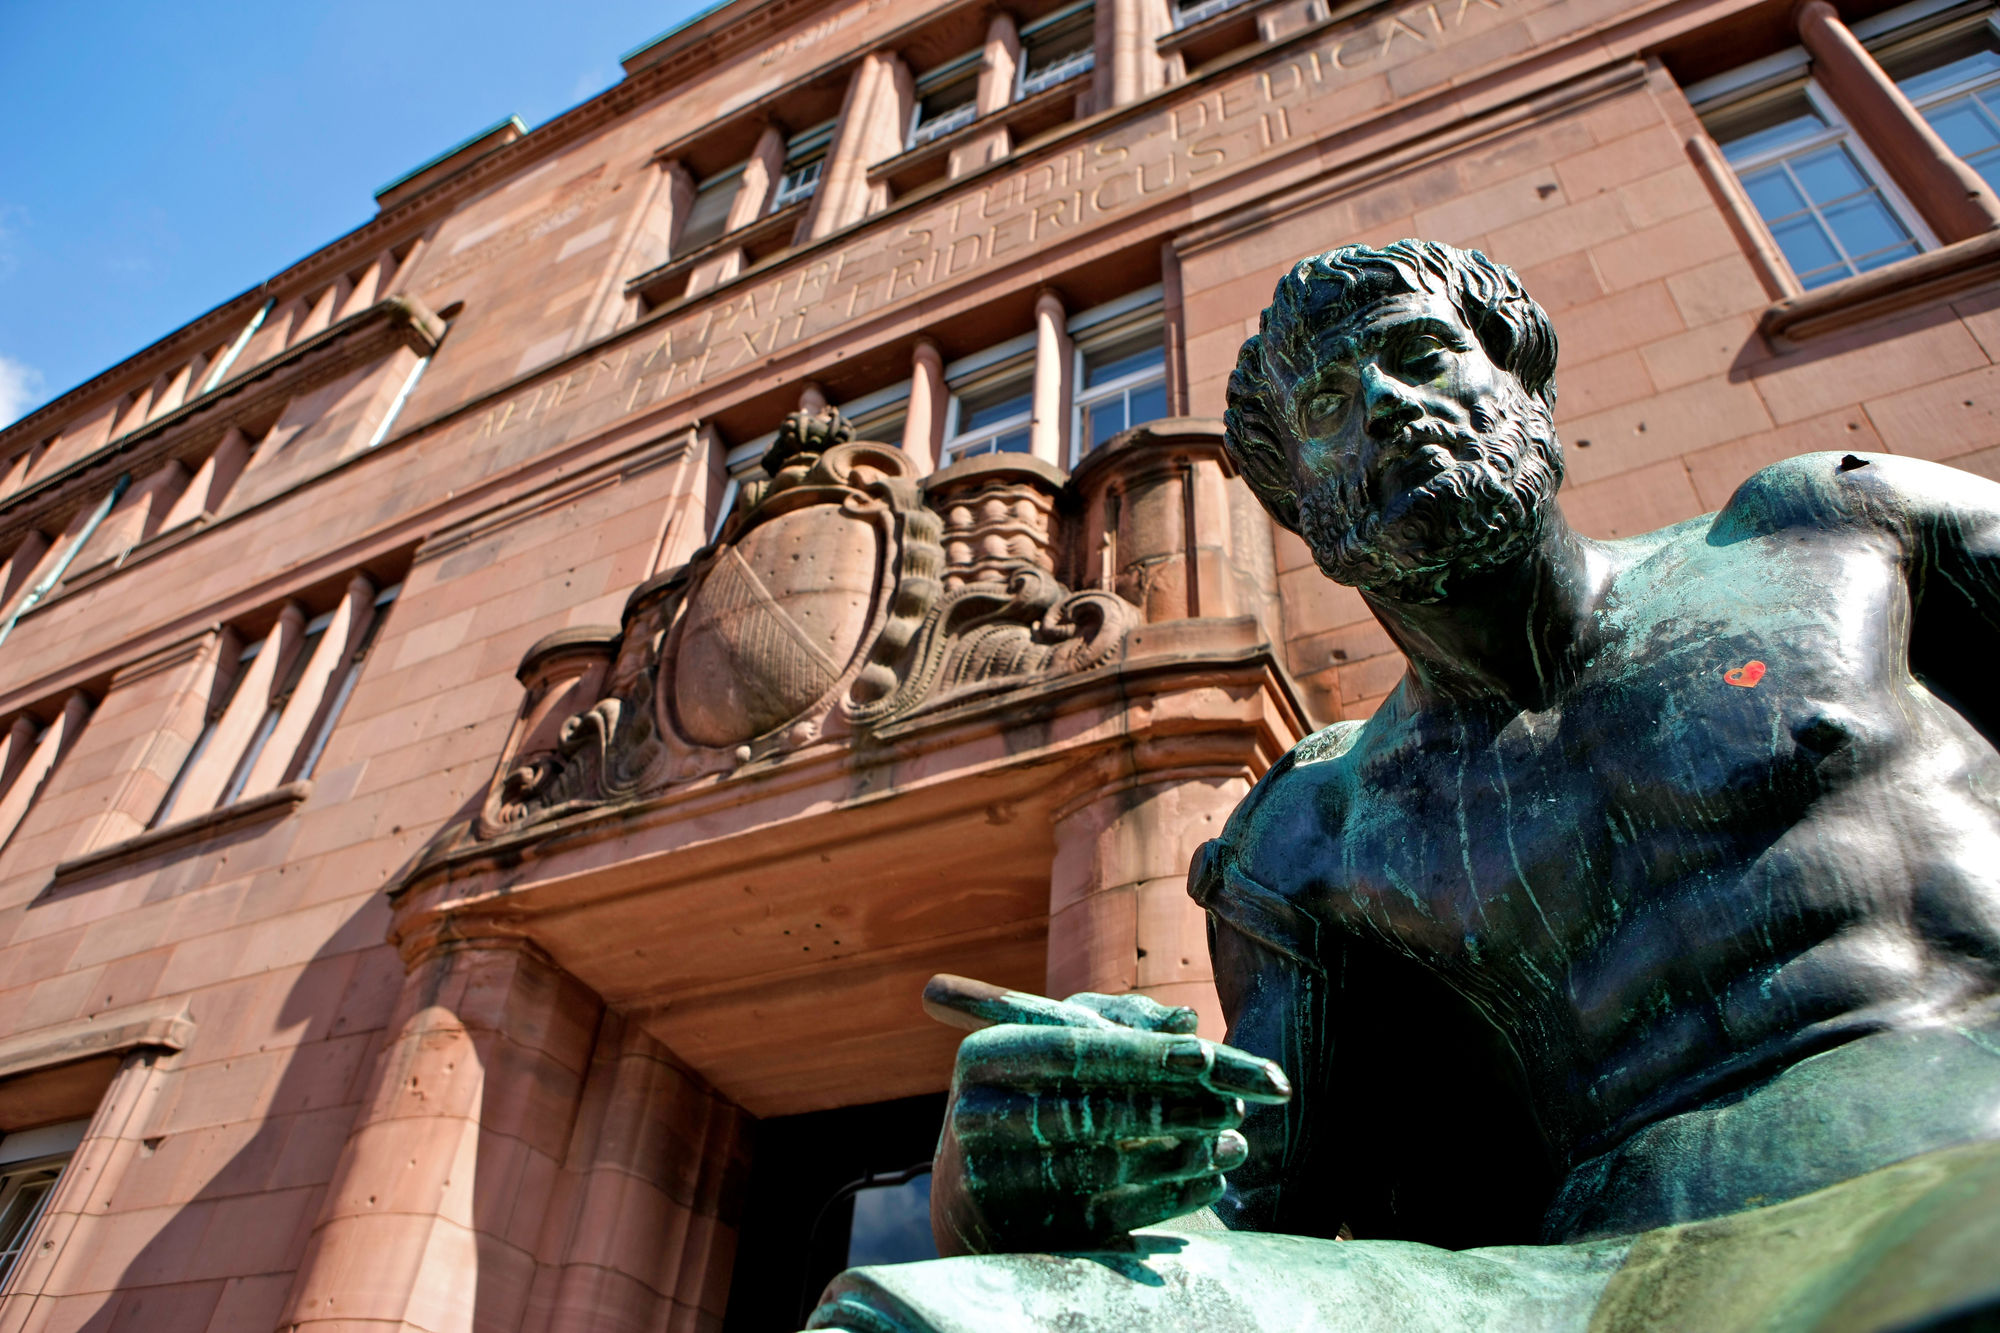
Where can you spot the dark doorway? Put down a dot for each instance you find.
(829, 1191)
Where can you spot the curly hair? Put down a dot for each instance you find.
(1514, 331)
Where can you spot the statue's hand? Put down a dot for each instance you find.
(1067, 1138)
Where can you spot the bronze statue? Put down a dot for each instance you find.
(1636, 965)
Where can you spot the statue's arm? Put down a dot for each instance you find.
(1950, 520)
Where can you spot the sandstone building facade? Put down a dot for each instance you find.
(483, 782)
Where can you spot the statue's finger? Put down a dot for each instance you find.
(1139, 1011)
(1126, 1207)
(1018, 1055)
(1031, 1121)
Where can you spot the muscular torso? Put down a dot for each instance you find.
(1687, 873)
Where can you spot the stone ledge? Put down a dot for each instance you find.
(276, 803)
(162, 1024)
(1917, 281)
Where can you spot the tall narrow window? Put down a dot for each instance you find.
(218, 707)
(350, 673)
(947, 99)
(805, 159)
(1122, 382)
(31, 1163)
(1953, 78)
(1058, 48)
(301, 656)
(992, 415)
(708, 215)
(1823, 196)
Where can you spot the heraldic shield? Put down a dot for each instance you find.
(774, 622)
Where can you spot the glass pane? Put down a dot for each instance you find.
(892, 1224)
(1829, 174)
(1772, 191)
(1128, 356)
(1890, 256)
(1806, 245)
(1974, 66)
(1963, 126)
(1794, 130)
(1106, 420)
(1824, 276)
(1865, 225)
(1149, 403)
(1013, 442)
(990, 406)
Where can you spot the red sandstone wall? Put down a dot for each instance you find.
(527, 513)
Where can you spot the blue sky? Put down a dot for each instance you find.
(161, 158)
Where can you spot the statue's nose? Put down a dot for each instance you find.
(1388, 401)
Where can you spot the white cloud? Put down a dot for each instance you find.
(20, 389)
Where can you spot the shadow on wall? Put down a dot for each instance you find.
(261, 1131)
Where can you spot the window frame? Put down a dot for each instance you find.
(806, 149)
(49, 1168)
(961, 69)
(1148, 318)
(1839, 131)
(1074, 65)
(1018, 366)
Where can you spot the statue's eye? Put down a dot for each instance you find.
(1423, 350)
(1325, 405)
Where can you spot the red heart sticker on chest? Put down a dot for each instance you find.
(1746, 675)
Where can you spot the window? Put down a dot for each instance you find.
(1187, 15)
(29, 753)
(1121, 383)
(1953, 80)
(31, 1162)
(991, 415)
(274, 703)
(708, 215)
(1058, 48)
(947, 100)
(805, 158)
(1826, 201)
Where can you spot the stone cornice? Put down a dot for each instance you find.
(163, 1025)
(192, 429)
(1163, 660)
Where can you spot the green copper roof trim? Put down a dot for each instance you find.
(458, 147)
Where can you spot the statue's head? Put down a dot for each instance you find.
(1395, 409)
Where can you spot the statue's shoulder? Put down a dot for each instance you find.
(1883, 492)
(1310, 762)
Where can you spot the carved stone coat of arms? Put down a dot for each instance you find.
(837, 598)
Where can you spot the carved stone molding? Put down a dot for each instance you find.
(841, 595)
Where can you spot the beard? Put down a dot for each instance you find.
(1483, 509)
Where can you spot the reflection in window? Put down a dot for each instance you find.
(1961, 100)
(708, 215)
(947, 99)
(1813, 186)
(892, 1218)
(1123, 383)
(31, 1163)
(992, 418)
(1058, 48)
(805, 159)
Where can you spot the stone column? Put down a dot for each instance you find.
(923, 424)
(658, 1159)
(873, 119)
(1128, 63)
(1049, 425)
(433, 1214)
(1120, 918)
(1000, 63)
(759, 180)
(1954, 199)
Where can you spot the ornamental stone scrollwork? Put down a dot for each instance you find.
(842, 594)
